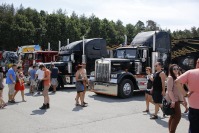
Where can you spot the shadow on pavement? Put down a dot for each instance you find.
(77, 108)
(137, 96)
(185, 116)
(38, 112)
(161, 122)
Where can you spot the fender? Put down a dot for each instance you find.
(127, 75)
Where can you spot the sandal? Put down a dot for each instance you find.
(83, 105)
(154, 117)
(5, 105)
(186, 110)
(77, 104)
(146, 111)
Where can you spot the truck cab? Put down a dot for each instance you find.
(70, 55)
(145, 50)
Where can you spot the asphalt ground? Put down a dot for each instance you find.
(104, 114)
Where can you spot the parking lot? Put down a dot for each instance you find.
(104, 114)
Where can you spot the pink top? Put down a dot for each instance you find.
(173, 94)
(191, 77)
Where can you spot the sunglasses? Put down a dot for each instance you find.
(175, 68)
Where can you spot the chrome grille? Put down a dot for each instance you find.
(102, 72)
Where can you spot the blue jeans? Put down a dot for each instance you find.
(193, 120)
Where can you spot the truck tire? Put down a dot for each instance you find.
(125, 88)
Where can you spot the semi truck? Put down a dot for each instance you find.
(125, 73)
(85, 51)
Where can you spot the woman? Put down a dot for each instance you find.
(19, 86)
(79, 85)
(175, 97)
(2, 103)
(148, 96)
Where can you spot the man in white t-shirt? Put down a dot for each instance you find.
(39, 75)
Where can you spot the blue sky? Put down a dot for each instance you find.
(170, 14)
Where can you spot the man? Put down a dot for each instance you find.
(11, 81)
(32, 74)
(47, 83)
(54, 76)
(158, 90)
(191, 78)
(39, 75)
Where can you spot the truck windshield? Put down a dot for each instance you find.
(126, 53)
(63, 58)
(28, 56)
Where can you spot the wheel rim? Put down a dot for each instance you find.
(127, 88)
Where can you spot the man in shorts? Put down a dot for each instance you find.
(46, 83)
(158, 90)
(11, 81)
(39, 75)
(32, 73)
(54, 76)
(191, 78)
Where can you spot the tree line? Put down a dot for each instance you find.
(26, 26)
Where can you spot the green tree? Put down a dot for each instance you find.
(53, 33)
(121, 31)
(94, 27)
(151, 25)
(73, 28)
(131, 32)
(23, 30)
(6, 20)
(139, 26)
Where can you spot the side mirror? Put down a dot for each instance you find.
(144, 53)
(72, 57)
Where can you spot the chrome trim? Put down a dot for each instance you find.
(106, 88)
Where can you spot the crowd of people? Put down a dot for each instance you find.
(178, 86)
(41, 80)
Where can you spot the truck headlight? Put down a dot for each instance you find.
(114, 76)
(92, 74)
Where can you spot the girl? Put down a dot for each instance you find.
(19, 86)
(175, 97)
(148, 96)
(79, 85)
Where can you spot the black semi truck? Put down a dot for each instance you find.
(86, 51)
(125, 73)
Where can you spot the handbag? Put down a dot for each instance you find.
(166, 107)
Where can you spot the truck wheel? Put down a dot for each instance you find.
(125, 88)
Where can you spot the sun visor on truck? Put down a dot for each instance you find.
(163, 41)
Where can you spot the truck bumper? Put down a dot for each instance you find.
(106, 88)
